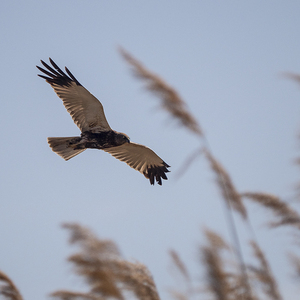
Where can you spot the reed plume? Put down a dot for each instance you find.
(295, 262)
(175, 105)
(233, 200)
(264, 275)
(67, 295)
(179, 264)
(293, 76)
(107, 274)
(182, 269)
(225, 279)
(284, 213)
(170, 99)
(226, 186)
(8, 289)
(178, 295)
(216, 276)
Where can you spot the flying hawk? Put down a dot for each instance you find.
(88, 114)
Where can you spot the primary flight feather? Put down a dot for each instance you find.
(88, 114)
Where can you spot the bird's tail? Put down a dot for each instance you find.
(65, 146)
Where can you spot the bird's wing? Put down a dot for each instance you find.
(142, 159)
(85, 109)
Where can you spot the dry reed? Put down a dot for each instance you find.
(179, 296)
(172, 102)
(187, 290)
(295, 261)
(8, 289)
(264, 275)
(188, 162)
(170, 99)
(293, 76)
(179, 264)
(107, 274)
(226, 186)
(225, 279)
(285, 214)
(216, 276)
(67, 295)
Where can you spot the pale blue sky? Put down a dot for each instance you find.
(225, 58)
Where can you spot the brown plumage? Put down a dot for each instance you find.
(88, 114)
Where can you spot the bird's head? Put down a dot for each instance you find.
(121, 138)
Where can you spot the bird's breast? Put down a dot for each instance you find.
(101, 140)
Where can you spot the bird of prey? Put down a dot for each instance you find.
(88, 114)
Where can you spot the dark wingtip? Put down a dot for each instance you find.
(157, 173)
(56, 75)
(72, 76)
(166, 165)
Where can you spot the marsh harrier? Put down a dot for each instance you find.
(88, 114)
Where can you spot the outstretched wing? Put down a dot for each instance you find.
(142, 159)
(85, 109)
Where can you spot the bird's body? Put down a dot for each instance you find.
(88, 114)
(99, 140)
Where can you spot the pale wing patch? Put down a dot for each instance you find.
(142, 159)
(85, 109)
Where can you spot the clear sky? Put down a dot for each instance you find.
(225, 58)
